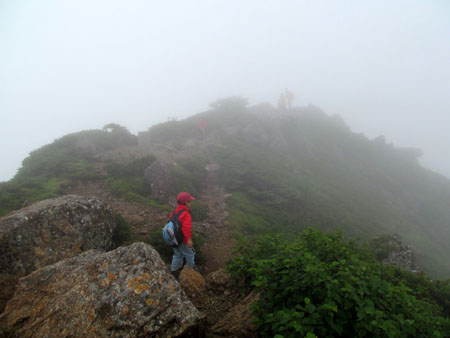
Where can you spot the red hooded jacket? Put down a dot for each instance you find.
(185, 220)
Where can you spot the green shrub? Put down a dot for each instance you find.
(199, 211)
(18, 193)
(133, 168)
(122, 231)
(320, 285)
(189, 175)
(382, 247)
(127, 180)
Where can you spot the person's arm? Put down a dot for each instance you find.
(187, 228)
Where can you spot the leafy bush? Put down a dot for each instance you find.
(321, 285)
(382, 247)
(18, 193)
(199, 211)
(127, 180)
(48, 169)
(189, 175)
(122, 231)
(133, 168)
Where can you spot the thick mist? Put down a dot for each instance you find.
(67, 66)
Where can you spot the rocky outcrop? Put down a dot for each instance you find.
(389, 249)
(157, 174)
(238, 322)
(401, 255)
(127, 292)
(49, 231)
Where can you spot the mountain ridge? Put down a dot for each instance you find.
(286, 170)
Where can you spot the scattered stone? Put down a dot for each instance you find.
(127, 292)
(238, 322)
(219, 281)
(48, 231)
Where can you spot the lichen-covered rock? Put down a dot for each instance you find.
(49, 231)
(127, 292)
(192, 282)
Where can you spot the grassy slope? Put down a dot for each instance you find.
(323, 175)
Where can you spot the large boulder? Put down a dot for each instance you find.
(157, 174)
(49, 231)
(127, 292)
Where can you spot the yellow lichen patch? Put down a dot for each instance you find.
(140, 287)
(104, 266)
(112, 276)
(105, 282)
(146, 277)
(149, 302)
(82, 292)
(125, 310)
(133, 282)
(39, 252)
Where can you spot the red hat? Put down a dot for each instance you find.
(184, 197)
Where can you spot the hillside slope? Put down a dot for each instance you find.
(285, 171)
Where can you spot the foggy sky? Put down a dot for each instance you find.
(67, 66)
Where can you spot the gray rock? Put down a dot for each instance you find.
(157, 174)
(48, 231)
(127, 292)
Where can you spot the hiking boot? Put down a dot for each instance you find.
(176, 273)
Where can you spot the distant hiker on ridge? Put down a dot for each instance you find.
(290, 97)
(282, 102)
(185, 250)
(203, 125)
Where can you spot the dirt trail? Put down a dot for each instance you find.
(218, 246)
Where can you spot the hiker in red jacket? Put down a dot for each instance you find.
(185, 250)
(203, 125)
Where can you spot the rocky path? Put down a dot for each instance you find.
(218, 246)
(218, 301)
(218, 242)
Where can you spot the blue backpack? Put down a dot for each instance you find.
(172, 233)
